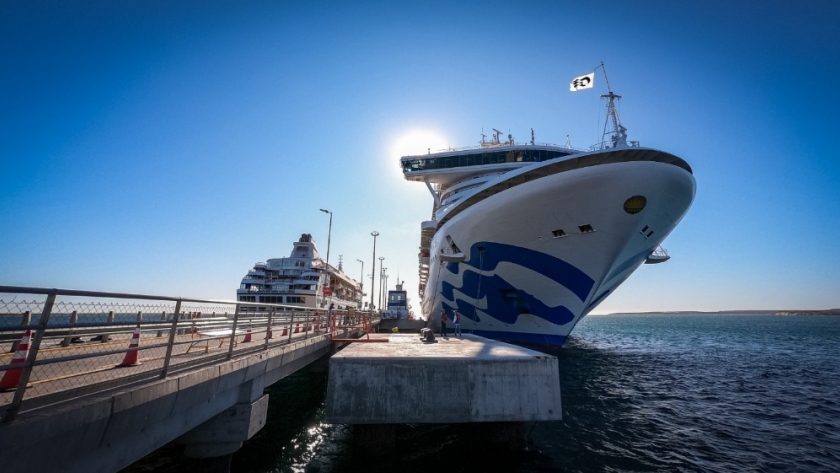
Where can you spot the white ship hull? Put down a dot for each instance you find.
(521, 282)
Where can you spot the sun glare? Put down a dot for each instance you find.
(418, 142)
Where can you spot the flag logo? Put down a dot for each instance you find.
(583, 82)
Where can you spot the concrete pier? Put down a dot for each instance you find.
(453, 380)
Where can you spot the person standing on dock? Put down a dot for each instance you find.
(456, 319)
(443, 322)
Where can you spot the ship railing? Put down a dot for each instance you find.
(604, 145)
(501, 145)
(59, 343)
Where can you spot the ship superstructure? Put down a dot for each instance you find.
(302, 279)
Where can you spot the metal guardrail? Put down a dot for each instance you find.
(82, 342)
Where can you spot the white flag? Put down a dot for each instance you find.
(583, 82)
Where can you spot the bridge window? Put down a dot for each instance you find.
(476, 159)
(559, 233)
(587, 228)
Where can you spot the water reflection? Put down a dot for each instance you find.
(640, 393)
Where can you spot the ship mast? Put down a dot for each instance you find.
(618, 136)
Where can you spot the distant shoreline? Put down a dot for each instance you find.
(739, 312)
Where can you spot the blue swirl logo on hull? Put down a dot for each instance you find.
(504, 300)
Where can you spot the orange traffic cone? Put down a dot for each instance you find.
(285, 331)
(247, 335)
(268, 335)
(11, 378)
(131, 356)
(297, 328)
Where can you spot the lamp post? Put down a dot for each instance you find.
(370, 276)
(385, 287)
(374, 234)
(361, 284)
(381, 270)
(327, 270)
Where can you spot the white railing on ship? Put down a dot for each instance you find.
(465, 148)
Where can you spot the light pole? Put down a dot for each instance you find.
(381, 270)
(370, 276)
(327, 270)
(385, 287)
(361, 284)
(374, 234)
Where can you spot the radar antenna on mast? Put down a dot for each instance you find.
(496, 134)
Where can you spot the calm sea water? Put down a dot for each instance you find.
(644, 393)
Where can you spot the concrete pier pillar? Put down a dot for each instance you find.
(110, 320)
(498, 388)
(222, 435)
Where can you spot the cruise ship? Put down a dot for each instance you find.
(302, 280)
(525, 239)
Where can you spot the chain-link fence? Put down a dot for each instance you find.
(56, 344)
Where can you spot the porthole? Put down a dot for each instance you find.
(635, 204)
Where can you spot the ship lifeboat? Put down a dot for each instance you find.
(659, 255)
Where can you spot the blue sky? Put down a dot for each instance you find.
(165, 147)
